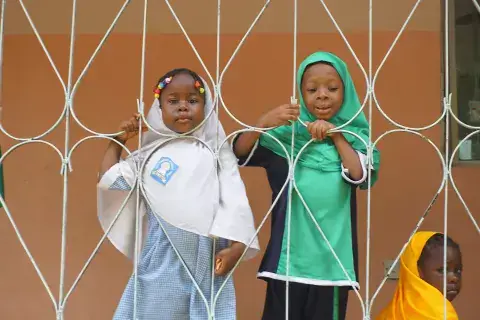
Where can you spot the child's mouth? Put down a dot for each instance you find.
(323, 110)
(183, 120)
(451, 294)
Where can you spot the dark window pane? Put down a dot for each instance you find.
(467, 51)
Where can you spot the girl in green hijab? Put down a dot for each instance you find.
(327, 173)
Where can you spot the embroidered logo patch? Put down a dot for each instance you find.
(164, 170)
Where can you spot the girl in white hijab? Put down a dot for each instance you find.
(186, 200)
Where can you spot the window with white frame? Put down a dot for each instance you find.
(466, 78)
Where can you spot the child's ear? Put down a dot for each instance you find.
(420, 271)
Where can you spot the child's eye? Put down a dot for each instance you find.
(312, 90)
(333, 89)
(193, 101)
(172, 101)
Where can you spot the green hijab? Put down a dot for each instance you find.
(323, 155)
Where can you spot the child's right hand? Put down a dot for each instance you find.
(279, 116)
(130, 128)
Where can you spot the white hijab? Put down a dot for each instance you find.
(231, 216)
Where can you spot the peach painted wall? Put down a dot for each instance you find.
(408, 89)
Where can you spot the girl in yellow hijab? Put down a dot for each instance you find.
(419, 293)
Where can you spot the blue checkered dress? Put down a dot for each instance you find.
(164, 289)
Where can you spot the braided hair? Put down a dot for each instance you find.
(178, 71)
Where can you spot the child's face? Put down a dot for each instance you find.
(322, 91)
(432, 271)
(182, 104)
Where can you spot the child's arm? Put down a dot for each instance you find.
(112, 155)
(349, 156)
(276, 117)
(350, 160)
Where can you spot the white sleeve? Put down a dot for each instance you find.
(119, 177)
(363, 162)
(234, 219)
(112, 191)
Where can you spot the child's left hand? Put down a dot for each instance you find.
(226, 259)
(319, 129)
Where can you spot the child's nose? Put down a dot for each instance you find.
(182, 106)
(322, 94)
(452, 277)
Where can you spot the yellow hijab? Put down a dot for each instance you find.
(414, 298)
